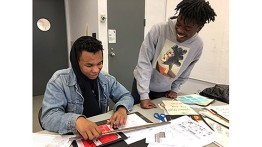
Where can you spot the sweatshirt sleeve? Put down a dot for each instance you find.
(144, 67)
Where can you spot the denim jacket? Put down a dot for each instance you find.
(63, 100)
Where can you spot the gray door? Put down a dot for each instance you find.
(50, 47)
(127, 18)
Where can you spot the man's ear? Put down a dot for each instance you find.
(199, 28)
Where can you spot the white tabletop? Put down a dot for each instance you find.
(148, 113)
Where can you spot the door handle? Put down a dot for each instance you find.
(112, 53)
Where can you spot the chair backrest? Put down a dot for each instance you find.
(39, 117)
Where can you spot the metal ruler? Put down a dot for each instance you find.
(126, 129)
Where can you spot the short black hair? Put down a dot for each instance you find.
(198, 11)
(87, 43)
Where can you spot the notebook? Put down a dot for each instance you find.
(195, 99)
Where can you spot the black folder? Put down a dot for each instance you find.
(120, 142)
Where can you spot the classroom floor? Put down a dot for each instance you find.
(37, 103)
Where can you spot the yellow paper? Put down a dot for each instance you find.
(178, 108)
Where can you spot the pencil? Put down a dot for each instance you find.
(206, 122)
(220, 116)
(215, 121)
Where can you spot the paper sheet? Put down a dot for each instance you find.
(111, 36)
(178, 108)
(133, 136)
(222, 110)
(48, 140)
(182, 131)
(223, 133)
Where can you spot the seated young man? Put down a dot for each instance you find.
(74, 94)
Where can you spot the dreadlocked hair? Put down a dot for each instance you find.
(199, 11)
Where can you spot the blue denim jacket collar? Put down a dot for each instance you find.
(72, 78)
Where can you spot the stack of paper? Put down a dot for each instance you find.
(48, 140)
(178, 108)
(182, 132)
(133, 136)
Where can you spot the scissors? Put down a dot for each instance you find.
(161, 117)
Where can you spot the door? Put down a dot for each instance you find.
(126, 17)
(49, 47)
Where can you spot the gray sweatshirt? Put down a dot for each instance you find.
(163, 63)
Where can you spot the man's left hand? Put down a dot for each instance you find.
(118, 118)
(171, 94)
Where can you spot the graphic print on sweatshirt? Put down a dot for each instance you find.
(171, 58)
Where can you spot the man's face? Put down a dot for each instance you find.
(91, 64)
(185, 29)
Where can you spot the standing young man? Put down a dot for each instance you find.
(169, 53)
(74, 94)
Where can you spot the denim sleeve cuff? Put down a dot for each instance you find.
(129, 109)
(73, 123)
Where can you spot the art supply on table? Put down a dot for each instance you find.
(220, 116)
(195, 99)
(127, 129)
(161, 117)
(136, 127)
(206, 122)
(101, 141)
(174, 107)
(214, 121)
(216, 114)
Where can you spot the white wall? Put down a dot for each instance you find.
(213, 67)
(102, 31)
(213, 63)
(83, 18)
(155, 12)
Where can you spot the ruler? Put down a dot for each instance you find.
(135, 128)
(126, 129)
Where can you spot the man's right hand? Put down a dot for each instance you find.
(88, 130)
(147, 104)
